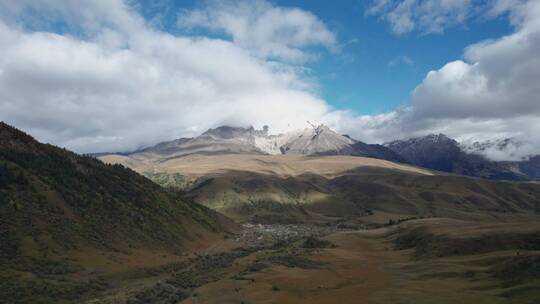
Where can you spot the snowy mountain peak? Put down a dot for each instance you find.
(317, 140)
(227, 132)
(427, 139)
(500, 149)
(313, 140)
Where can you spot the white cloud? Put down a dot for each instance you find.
(501, 149)
(82, 17)
(426, 16)
(498, 79)
(119, 84)
(266, 30)
(492, 93)
(115, 83)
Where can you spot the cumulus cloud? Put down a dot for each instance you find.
(491, 94)
(266, 30)
(95, 76)
(497, 78)
(114, 83)
(496, 82)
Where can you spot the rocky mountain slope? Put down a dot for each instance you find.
(437, 152)
(66, 219)
(317, 140)
(442, 153)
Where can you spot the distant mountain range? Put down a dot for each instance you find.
(317, 174)
(437, 152)
(442, 153)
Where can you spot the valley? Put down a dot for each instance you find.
(390, 232)
(411, 262)
(270, 152)
(249, 227)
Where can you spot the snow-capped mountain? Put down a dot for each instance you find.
(314, 140)
(442, 153)
(498, 149)
(318, 140)
(435, 151)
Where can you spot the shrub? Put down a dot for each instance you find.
(313, 242)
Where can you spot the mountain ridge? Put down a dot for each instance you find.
(433, 151)
(65, 216)
(439, 152)
(316, 140)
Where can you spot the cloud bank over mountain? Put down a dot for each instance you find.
(114, 82)
(491, 93)
(96, 76)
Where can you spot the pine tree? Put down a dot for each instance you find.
(21, 179)
(5, 176)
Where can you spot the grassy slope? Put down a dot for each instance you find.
(281, 165)
(270, 188)
(260, 197)
(66, 220)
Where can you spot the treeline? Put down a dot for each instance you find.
(6, 177)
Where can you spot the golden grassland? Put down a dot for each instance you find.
(280, 165)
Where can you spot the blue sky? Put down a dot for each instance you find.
(365, 80)
(118, 75)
